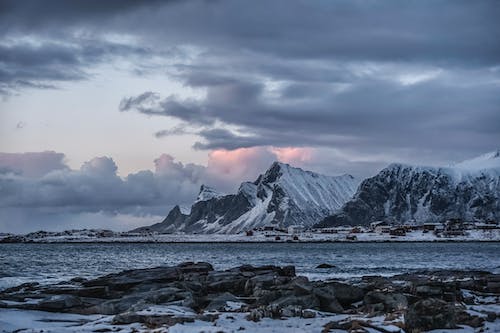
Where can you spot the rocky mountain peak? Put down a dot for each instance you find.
(282, 196)
(275, 171)
(207, 193)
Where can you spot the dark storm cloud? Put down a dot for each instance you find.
(43, 64)
(389, 30)
(362, 75)
(42, 181)
(458, 33)
(370, 112)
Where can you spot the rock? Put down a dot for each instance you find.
(264, 297)
(59, 303)
(126, 318)
(96, 292)
(429, 314)
(493, 287)
(337, 325)
(260, 281)
(308, 313)
(344, 293)
(124, 281)
(78, 279)
(193, 302)
(391, 301)
(267, 291)
(491, 316)
(376, 307)
(325, 266)
(304, 302)
(255, 315)
(288, 271)
(301, 286)
(155, 321)
(327, 300)
(115, 306)
(234, 286)
(219, 302)
(22, 287)
(429, 290)
(165, 295)
(376, 282)
(465, 318)
(151, 320)
(191, 267)
(291, 311)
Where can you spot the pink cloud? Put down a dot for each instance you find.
(234, 166)
(33, 164)
(293, 155)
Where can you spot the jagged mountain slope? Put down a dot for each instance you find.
(400, 193)
(282, 196)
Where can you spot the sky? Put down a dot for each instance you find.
(112, 112)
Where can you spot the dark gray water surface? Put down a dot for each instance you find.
(53, 262)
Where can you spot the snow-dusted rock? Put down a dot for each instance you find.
(208, 193)
(402, 193)
(280, 197)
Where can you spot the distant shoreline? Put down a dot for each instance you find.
(261, 242)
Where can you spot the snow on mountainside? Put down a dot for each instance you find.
(207, 193)
(282, 196)
(469, 190)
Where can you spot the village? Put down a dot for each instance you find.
(380, 231)
(452, 229)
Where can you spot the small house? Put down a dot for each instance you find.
(398, 231)
(295, 229)
(380, 227)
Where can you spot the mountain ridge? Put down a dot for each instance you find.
(469, 190)
(282, 196)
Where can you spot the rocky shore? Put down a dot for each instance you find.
(193, 297)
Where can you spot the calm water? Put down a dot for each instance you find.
(52, 262)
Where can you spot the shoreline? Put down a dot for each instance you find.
(195, 297)
(257, 242)
(353, 235)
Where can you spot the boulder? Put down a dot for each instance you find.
(301, 286)
(125, 280)
(115, 306)
(264, 281)
(391, 301)
(465, 318)
(327, 300)
(59, 303)
(346, 294)
(165, 295)
(96, 292)
(429, 314)
(219, 302)
(302, 302)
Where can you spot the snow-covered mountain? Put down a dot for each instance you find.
(469, 190)
(282, 196)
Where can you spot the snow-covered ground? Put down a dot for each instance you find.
(24, 321)
(259, 236)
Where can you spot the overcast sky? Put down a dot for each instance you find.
(113, 111)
